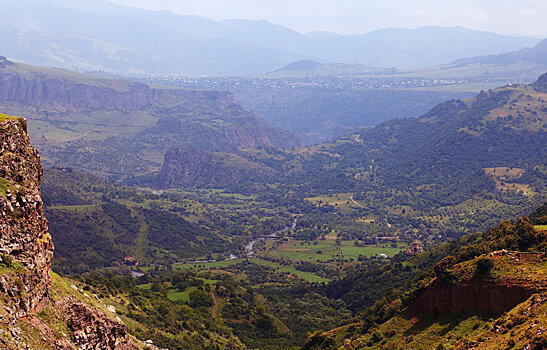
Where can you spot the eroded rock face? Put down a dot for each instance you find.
(49, 92)
(24, 233)
(26, 250)
(203, 168)
(92, 329)
(472, 296)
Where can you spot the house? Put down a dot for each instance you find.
(415, 249)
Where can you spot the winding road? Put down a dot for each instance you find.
(354, 202)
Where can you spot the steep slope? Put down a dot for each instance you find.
(466, 136)
(130, 40)
(490, 293)
(37, 313)
(119, 128)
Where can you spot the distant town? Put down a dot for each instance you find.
(319, 82)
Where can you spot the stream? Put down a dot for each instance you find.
(249, 248)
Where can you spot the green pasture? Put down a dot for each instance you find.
(328, 250)
(308, 276)
(341, 201)
(175, 295)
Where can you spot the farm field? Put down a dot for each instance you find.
(326, 249)
(176, 295)
(343, 202)
(308, 276)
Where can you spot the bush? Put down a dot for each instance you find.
(484, 266)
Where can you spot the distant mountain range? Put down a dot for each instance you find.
(98, 35)
(528, 62)
(535, 55)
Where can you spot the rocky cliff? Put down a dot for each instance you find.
(122, 129)
(34, 308)
(511, 283)
(63, 90)
(24, 236)
(477, 295)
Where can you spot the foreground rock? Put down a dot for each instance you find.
(36, 313)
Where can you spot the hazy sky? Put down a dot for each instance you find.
(527, 17)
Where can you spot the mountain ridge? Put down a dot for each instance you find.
(240, 47)
(535, 54)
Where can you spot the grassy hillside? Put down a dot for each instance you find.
(507, 261)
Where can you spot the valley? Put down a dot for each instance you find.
(317, 225)
(235, 184)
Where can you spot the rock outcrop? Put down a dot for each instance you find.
(92, 328)
(475, 295)
(24, 233)
(26, 250)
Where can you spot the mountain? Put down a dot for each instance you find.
(40, 310)
(519, 65)
(534, 55)
(126, 127)
(487, 291)
(301, 65)
(134, 41)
